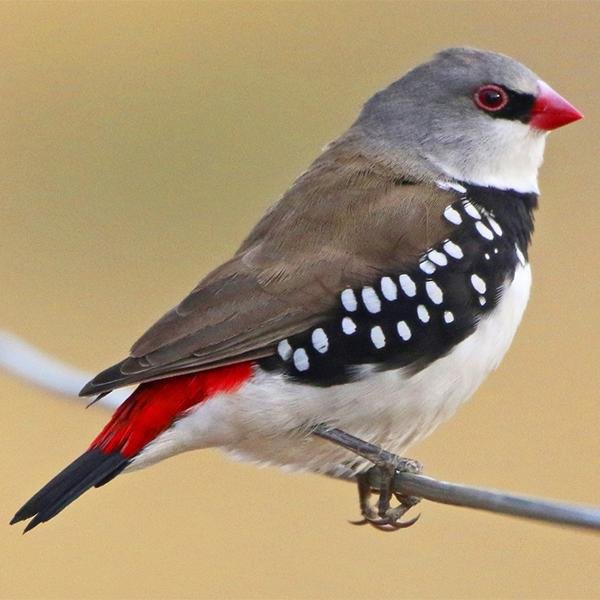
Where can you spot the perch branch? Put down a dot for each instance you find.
(496, 501)
(32, 365)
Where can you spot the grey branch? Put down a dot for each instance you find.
(456, 494)
(33, 366)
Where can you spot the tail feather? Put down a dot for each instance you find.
(152, 408)
(92, 468)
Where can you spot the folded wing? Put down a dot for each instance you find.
(344, 222)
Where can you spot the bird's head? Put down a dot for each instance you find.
(468, 114)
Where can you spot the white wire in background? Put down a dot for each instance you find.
(23, 360)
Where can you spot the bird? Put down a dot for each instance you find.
(368, 303)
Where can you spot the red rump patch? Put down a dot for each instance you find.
(154, 406)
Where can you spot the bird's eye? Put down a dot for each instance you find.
(491, 98)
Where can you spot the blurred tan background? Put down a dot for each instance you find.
(138, 144)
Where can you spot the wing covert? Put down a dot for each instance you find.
(320, 238)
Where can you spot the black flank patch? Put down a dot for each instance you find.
(414, 316)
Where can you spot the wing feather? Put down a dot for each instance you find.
(335, 228)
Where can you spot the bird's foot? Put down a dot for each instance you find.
(382, 515)
(379, 478)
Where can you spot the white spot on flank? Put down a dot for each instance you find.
(301, 359)
(377, 337)
(434, 292)
(453, 250)
(371, 299)
(487, 256)
(482, 300)
(448, 316)
(349, 300)
(408, 285)
(348, 326)
(495, 226)
(435, 256)
(450, 185)
(284, 349)
(427, 267)
(404, 330)
(520, 255)
(478, 284)
(423, 314)
(389, 289)
(495, 250)
(471, 210)
(319, 340)
(484, 231)
(452, 215)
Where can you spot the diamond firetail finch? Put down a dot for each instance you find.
(374, 297)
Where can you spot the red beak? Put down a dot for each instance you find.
(551, 110)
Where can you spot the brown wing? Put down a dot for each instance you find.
(344, 222)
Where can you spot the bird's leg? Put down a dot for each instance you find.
(386, 465)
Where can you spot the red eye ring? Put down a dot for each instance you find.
(491, 97)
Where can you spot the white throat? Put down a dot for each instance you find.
(509, 157)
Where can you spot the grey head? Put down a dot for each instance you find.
(465, 115)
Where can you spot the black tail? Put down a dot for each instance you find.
(92, 468)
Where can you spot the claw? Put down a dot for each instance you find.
(390, 521)
(389, 524)
(363, 521)
(381, 515)
(409, 523)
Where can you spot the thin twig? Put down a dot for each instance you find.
(32, 365)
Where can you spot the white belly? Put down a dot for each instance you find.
(260, 421)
